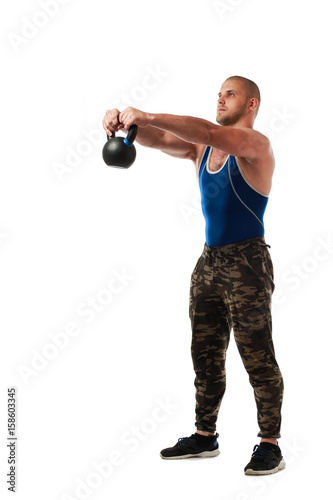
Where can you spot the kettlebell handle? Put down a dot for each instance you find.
(113, 133)
(131, 135)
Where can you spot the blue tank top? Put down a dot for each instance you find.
(233, 209)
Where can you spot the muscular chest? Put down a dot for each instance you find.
(217, 159)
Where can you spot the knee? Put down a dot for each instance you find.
(265, 373)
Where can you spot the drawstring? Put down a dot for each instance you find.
(264, 245)
(212, 252)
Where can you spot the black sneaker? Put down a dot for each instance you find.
(266, 459)
(194, 446)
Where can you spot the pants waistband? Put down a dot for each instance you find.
(233, 248)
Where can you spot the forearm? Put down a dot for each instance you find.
(153, 137)
(148, 136)
(188, 128)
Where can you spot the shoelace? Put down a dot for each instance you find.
(183, 440)
(186, 439)
(262, 453)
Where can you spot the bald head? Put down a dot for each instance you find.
(251, 89)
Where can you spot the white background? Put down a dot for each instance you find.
(63, 238)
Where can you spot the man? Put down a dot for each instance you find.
(232, 282)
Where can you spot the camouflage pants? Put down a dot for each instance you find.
(231, 288)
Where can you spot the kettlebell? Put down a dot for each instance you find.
(120, 152)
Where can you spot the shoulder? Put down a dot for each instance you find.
(258, 169)
(262, 153)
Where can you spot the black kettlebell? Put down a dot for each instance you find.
(120, 151)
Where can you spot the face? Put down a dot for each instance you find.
(232, 103)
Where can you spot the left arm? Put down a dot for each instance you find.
(240, 142)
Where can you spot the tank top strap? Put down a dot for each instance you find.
(204, 157)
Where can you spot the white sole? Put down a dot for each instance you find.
(203, 454)
(251, 472)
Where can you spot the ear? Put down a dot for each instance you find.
(253, 103)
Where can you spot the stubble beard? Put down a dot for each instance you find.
(228, 120)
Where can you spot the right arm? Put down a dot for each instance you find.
(153, 137)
